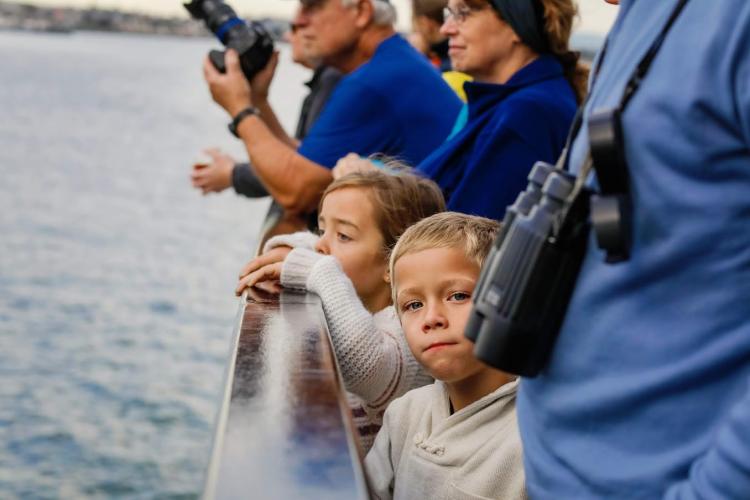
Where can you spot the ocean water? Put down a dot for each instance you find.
(116, 276)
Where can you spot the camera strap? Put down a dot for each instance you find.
(611, 206)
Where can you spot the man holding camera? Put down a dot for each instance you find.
(391, 101)
(223, 172)
(646, 394)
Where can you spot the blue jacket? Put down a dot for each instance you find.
(647, 392)
(396, 103)
(482, 168)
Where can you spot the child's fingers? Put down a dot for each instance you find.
(273, 256)
(257, 263)
(241, 286)
(270, 272)
(244, 283)
(250, 267)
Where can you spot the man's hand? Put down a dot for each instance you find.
(352, 163)
(230, 90)
(266, 267)
(261, 82)
(216, 176)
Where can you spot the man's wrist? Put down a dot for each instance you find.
(234, 109)
(241, 116)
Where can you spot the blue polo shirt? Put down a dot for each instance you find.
(482, 168)
(396, 104)
(646, 395)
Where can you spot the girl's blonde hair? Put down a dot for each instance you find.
(469, 233)
(399, 199)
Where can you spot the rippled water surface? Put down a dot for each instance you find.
(116, 277)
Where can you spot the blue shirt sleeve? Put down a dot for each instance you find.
(353, 121)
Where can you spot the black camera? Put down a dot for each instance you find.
(530, 274)
(251, 40)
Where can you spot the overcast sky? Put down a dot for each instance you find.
(596, 15)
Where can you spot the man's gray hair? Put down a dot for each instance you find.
(384, 12)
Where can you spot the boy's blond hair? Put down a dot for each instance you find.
(469, 233)
(399, 199)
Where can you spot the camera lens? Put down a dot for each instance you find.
(251, 40)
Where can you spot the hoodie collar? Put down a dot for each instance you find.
(482, 95)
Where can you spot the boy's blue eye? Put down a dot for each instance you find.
(319, 231)
(459, 296)
(343, 237)
(412, 306)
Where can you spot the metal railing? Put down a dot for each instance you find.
(284, 428)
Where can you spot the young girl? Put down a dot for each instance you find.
(361, 217)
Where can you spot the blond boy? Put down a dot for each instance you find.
(457, 438)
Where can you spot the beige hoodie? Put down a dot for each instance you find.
(422, 451)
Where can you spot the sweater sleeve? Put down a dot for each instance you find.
(379, 466)
(723, 472)
(246, 183)
(302, 239)
(375, 361)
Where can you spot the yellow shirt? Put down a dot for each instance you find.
(456, 81)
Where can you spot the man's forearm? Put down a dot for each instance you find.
(294, 181)
(272, 121)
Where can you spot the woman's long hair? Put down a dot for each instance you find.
(558, 22)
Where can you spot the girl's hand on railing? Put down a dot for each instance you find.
(276, 254)
(270, 272)
(266, 267)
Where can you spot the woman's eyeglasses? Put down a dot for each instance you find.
(459, 14)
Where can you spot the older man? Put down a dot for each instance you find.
(391, 101)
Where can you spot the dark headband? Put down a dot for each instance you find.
(526, 17)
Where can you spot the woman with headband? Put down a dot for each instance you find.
(527, 85)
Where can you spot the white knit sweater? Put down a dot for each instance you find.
(422, 451)
(376, 363)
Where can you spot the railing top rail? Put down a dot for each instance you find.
(284, 429)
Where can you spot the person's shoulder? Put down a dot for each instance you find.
(394, 61)
(546, 103)
(544, 96)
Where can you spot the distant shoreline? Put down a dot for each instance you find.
(32, 18)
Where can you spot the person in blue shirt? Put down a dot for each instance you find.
(391, 101)
(526, 88)
(647, 394)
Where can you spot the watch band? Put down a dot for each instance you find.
(250, 110)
